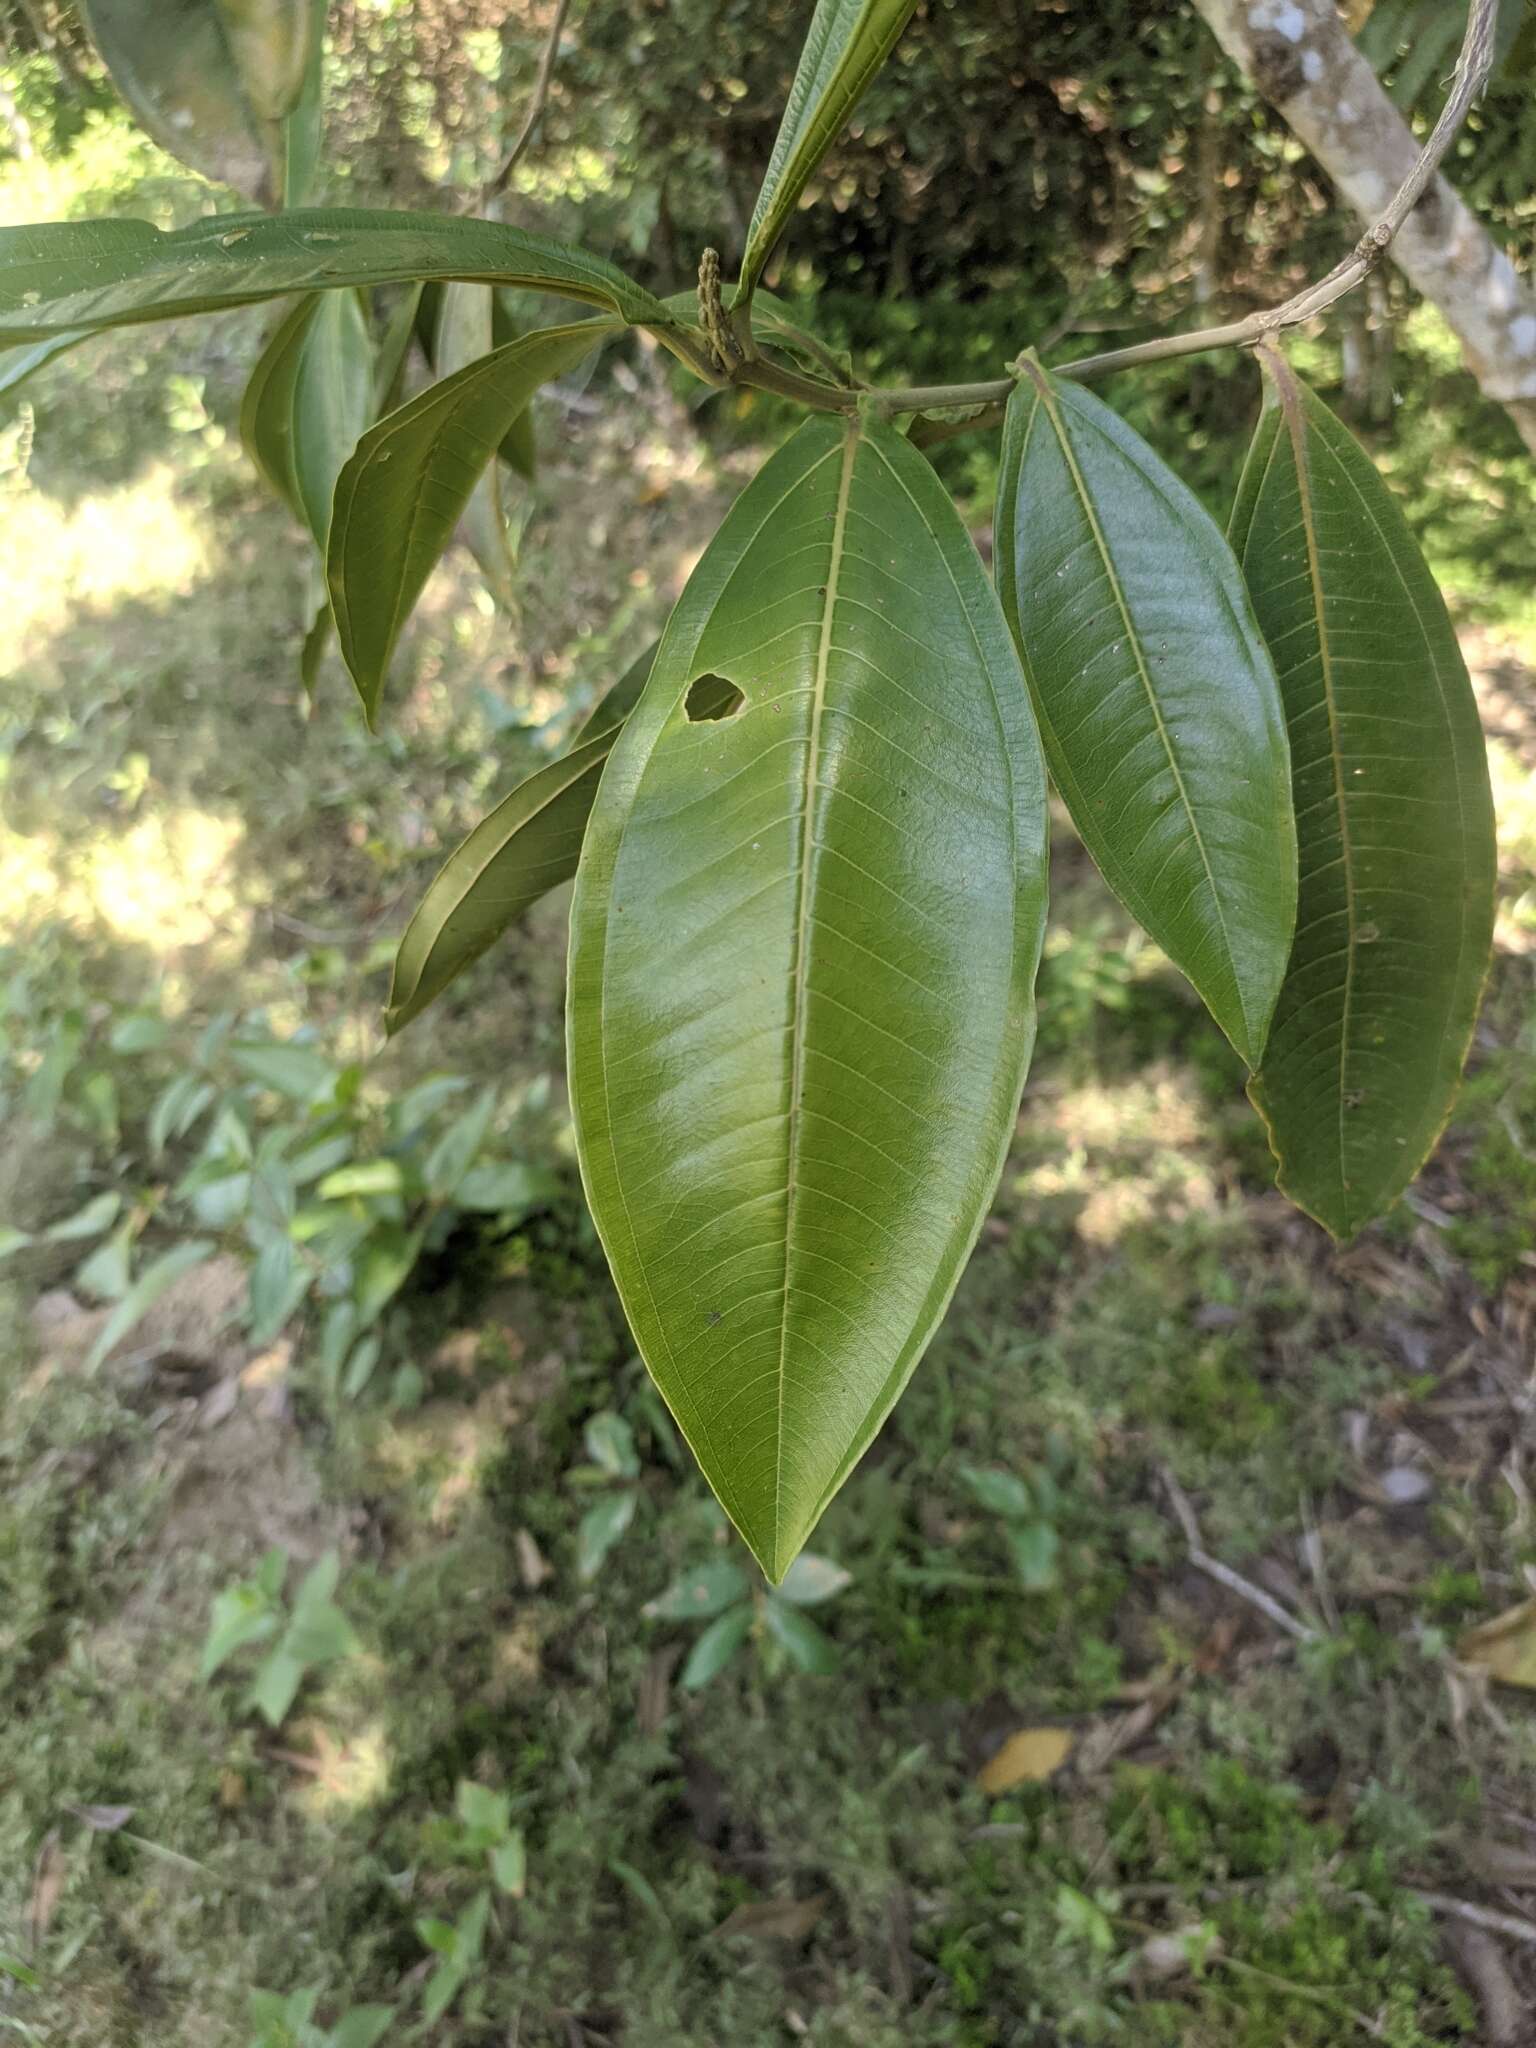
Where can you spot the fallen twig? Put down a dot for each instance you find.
(1223, 1574)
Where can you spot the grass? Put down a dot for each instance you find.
(1233, 1851)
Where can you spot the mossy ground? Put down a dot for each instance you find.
(1141, 1307)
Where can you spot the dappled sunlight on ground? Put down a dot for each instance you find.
(142, 540)
(165, 882)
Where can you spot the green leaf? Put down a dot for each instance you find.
(332, 403)
(464, 336)
(363, 1177)
(717, 1646)
(80, 276)
(296, 1071)
(455, 1151)
(1000, 1493)
(363, 2027)
(527, 846)
(806, 1644)
(846, 44)
(600, 1529)
(810, 1580)
(383, 1267)
(241, 1615)
(610, 1444)
(1034, 1546)
(1396, 822)
(519, 448)
(509, 1864)
(275, 1687)
(157, 1277)
(1157, 698)
(302, 136)
(803, 948)
(699, 1594)
(99, 1214)
(307, 402)
(176, 1109)
(508, 1189)
(174, 65)
(400, 496)
(485, 1813)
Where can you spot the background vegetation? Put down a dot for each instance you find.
(277, 1582)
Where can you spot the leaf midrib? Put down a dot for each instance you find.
(1295, 427)
(851, 442)
(1047, 398)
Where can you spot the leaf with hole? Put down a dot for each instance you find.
(528, 845)
(1398, 857)
(405, 488)
(84, 275)
(803, 948)
(847, 42)
(1157, 698)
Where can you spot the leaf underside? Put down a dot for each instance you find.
(846, 44)
(1395, 818)
(92, 274)
(403, 490)
(803, 947)
(1157, 699)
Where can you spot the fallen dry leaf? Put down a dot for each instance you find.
(776, 1919)
(533, 1567)
(47, 1885)
(1028, 1757)
(1505, 1647)
(655, 1690)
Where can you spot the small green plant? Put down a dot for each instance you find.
(286, 1159)
(310, 1632)
(290, 2022)
(1027, 1510)
(614, 1466)
(486, 1834)
(736, 1611)
(457, 1944)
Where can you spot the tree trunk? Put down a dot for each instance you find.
(1299, 55)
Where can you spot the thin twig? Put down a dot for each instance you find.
(1223, 1574)
(1472, 68)
(536, 106)
(1478, 1916)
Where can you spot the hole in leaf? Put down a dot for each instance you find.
(710, 698)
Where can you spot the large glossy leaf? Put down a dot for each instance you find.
(527, 846)
(113, 273)
(1393, 814)
(1156, 696)
(803, 945)
(847, 42)
(173, 63)
(404, 489)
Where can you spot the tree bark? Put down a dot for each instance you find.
(1302, 60)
